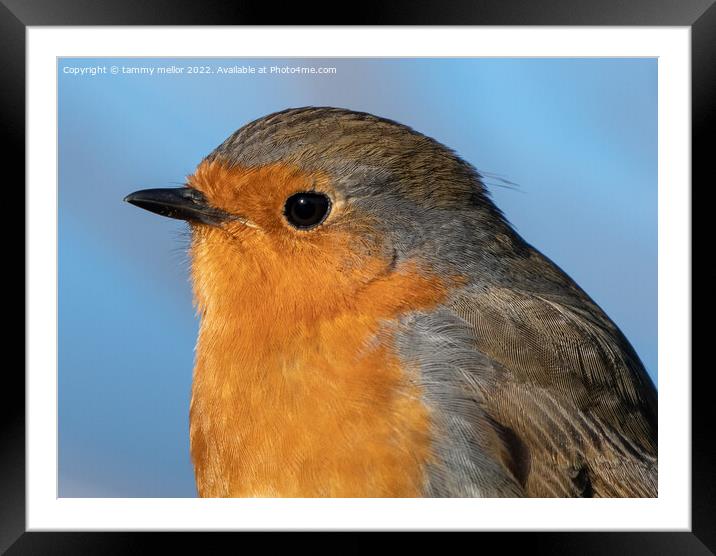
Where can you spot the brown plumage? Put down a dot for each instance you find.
(372, 326)
(580, 423)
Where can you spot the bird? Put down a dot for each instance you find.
(371, 325)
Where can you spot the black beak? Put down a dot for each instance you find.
(182, 203)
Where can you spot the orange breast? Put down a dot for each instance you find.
(316, 410)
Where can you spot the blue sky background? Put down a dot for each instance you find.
(577, 136)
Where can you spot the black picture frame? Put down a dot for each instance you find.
(699, 15)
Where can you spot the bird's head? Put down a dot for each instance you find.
(314, 205)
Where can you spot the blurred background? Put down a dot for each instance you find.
(568, 148)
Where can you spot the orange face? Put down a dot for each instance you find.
(323, 267)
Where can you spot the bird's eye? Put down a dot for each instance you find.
(307, 210)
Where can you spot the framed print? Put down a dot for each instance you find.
(434, 278)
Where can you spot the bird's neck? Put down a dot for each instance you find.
(306, 399)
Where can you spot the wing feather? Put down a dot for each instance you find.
(569, 391)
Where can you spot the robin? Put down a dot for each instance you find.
(372, 326)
